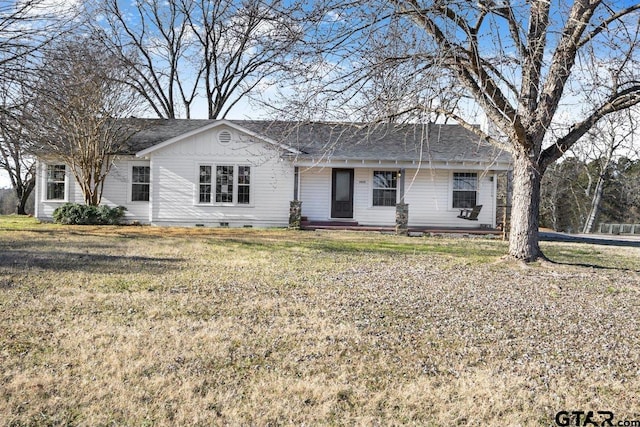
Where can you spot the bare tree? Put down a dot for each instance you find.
(391, 80)
(151, 38)
(77, 112)
(244, 44)
(18, 164)
(26, 27)
(627, 177)
(564, 203)
(178, 48)
(525, 64)
(520, 78)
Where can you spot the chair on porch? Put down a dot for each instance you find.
(470, 214)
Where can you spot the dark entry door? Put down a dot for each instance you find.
(342, 193)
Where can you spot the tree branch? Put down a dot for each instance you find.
(617, 102)
(605, 24)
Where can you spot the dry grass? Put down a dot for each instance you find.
(151, 326)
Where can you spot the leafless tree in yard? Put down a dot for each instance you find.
(19, 165)
(393, 83)
(244, 44)
(178, 49)
(520, 61)
(77, 112)
(542, 72)
(26, 28)
(361, 62)
(152, 41)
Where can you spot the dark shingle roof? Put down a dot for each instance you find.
(154, 131)
(342, 141)
(401, 142)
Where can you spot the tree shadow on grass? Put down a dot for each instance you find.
(586, 240)
(418, 247)
(63, 261)
(604, 240)
(553, 263)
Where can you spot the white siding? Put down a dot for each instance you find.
(175, 177)
(363, 210)
(430, 199)
(174, 196)
(427, 191)
(117, 191)
(315, 193)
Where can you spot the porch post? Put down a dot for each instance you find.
(295, 206)
(295, 214)
(402, 219)
(402, 209)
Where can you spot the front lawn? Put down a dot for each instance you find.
(171, 326)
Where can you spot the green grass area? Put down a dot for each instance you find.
(482, 250)
(17, 222)
(191, 326)
(477, 249)
(591, 255)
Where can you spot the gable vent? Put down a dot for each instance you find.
(224, 137)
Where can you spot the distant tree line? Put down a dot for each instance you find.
(9, 201)
(566, 203)
(599, 181)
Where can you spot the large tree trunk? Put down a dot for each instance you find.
(23, 191)
(523, 234)
(23, 196)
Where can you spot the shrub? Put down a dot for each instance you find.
(77, 214)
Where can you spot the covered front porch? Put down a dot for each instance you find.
(382, 196)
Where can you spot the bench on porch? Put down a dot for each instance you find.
(470, 214)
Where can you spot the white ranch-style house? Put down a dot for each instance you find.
(217, 173)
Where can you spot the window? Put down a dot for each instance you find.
(244, 175)
(140, 183)
(224, 184)
(205, 184)
(231, 185)
(385, 184)
(465, 187)
(55, 182)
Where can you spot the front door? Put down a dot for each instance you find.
(342, 193)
